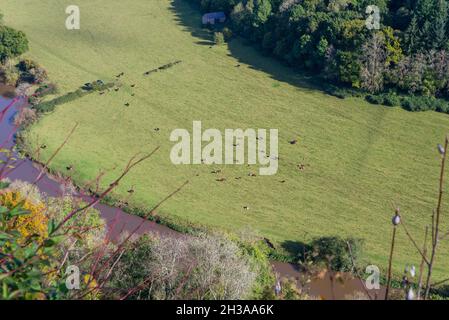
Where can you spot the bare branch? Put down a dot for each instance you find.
(414, 242)
(41, 173)
(357, 271)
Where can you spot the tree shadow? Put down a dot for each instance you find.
(205, 43)
(296, 249)
(188, 16)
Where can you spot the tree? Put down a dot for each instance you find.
(440, 24)
(348, 68)
(189, 268)
(262, 10)
(392, 46)
(373, 62)
(411, 36)
(219, 38)
(239, 16)
(12, 43)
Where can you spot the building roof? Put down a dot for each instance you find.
(215, 15)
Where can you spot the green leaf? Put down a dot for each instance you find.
(4, 184)
(49, 243)
(3, 209)
(51, 226)
(4, 236)
(30, 252)
(18, 211)
(5, 290)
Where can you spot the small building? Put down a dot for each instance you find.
(214, 17)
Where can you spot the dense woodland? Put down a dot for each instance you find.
(408, 54)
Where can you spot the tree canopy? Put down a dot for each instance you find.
(13, 43)
(407, 53)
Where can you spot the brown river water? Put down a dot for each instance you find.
(119, 221)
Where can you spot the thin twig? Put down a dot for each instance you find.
(41, 173)
(356, 271)
(421, 267)
(390, 261)
(414, 242)
(436, 228)
(112, 186)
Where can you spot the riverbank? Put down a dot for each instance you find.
(50, 185)
(8, 92)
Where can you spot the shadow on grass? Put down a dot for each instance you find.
(189, 17)
(295, 249)
(205, 43)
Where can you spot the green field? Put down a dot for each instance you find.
(359, 158)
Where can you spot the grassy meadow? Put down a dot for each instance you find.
(359, 159)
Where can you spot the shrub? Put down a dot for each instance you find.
(391, 99)
(97, 85)
(49, 106)
(440, 293)
(227, 33)
(219, 38)
(25, 117)
(422, 103)
(442, 106)
(9, 76)
(163, 67)
(31, 71)
(290, 290)
(334, 252)
(33, 224)
(32, 250)
(258, 256)
(46, 89)
(25, 65)
(39, 75)
(205, 267)
(374, 99)
(34, 100)
(91, 222)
